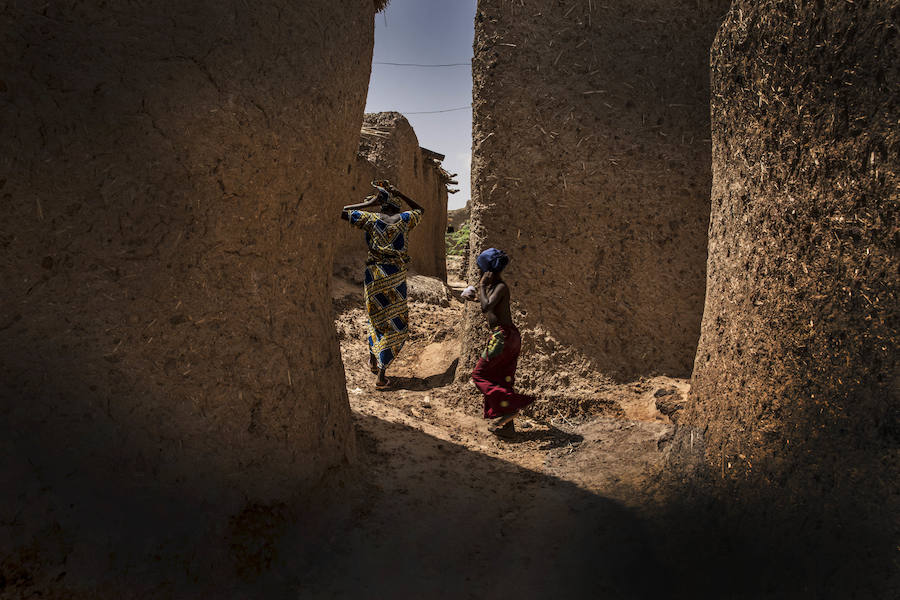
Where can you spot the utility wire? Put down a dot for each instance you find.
(396, 64)
(431, 112)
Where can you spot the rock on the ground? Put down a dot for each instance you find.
(427, 289)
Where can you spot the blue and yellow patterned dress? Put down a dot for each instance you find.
(385, 281)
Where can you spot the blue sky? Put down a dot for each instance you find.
(428, 32)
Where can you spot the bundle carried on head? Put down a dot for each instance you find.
(493, 260)
(384, 196)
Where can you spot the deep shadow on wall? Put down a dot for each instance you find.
(166, 328)
(794, 399)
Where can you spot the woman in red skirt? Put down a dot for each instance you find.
(495, 373)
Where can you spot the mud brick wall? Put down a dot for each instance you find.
(796, 379)
(350, 244)
(456, 218)
(393, 153)
(591, 169)
(165, 169)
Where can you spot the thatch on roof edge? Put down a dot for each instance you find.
(380, 5)
(432, 154)
(366, 131)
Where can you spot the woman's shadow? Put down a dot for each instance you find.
(420, 384)
(552, 436)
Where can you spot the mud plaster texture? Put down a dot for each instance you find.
(166, 346)
(795, 387)
(390, 150)
(591, 168)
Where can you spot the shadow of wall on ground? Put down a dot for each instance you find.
(418, 517)
(424, 518)
(167, 351)
(486, 528)
(747, 550)
(591, 168)
(763, 539)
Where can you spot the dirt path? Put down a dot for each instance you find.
(452, 511)
(610, 453)
(570, 506)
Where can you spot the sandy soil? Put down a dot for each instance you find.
(425, 398)
(454, 511)
(576, 503)
(572, 505)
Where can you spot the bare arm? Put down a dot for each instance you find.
(345, 212)
(412, 203)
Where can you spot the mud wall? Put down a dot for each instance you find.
(350, 245)
(166, 327)
(455, 218)
(392, 152)
(796, 378)
(591, 169)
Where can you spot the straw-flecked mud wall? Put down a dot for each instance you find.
(166, 326)
(389, 149)
(796, 378)
(591, 158)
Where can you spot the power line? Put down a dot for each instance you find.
(431, 112)
(396, 64)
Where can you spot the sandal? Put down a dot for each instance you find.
(383, 386)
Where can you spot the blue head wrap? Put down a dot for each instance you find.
(492, 260)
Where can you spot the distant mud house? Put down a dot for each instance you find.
(389, 149)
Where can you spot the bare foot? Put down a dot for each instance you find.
(382, 382)
(502, 423)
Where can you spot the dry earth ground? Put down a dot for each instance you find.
(573, 505)
(460, 513)
(577, 503)
(610, 452)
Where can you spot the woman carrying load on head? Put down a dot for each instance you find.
(387, 236)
